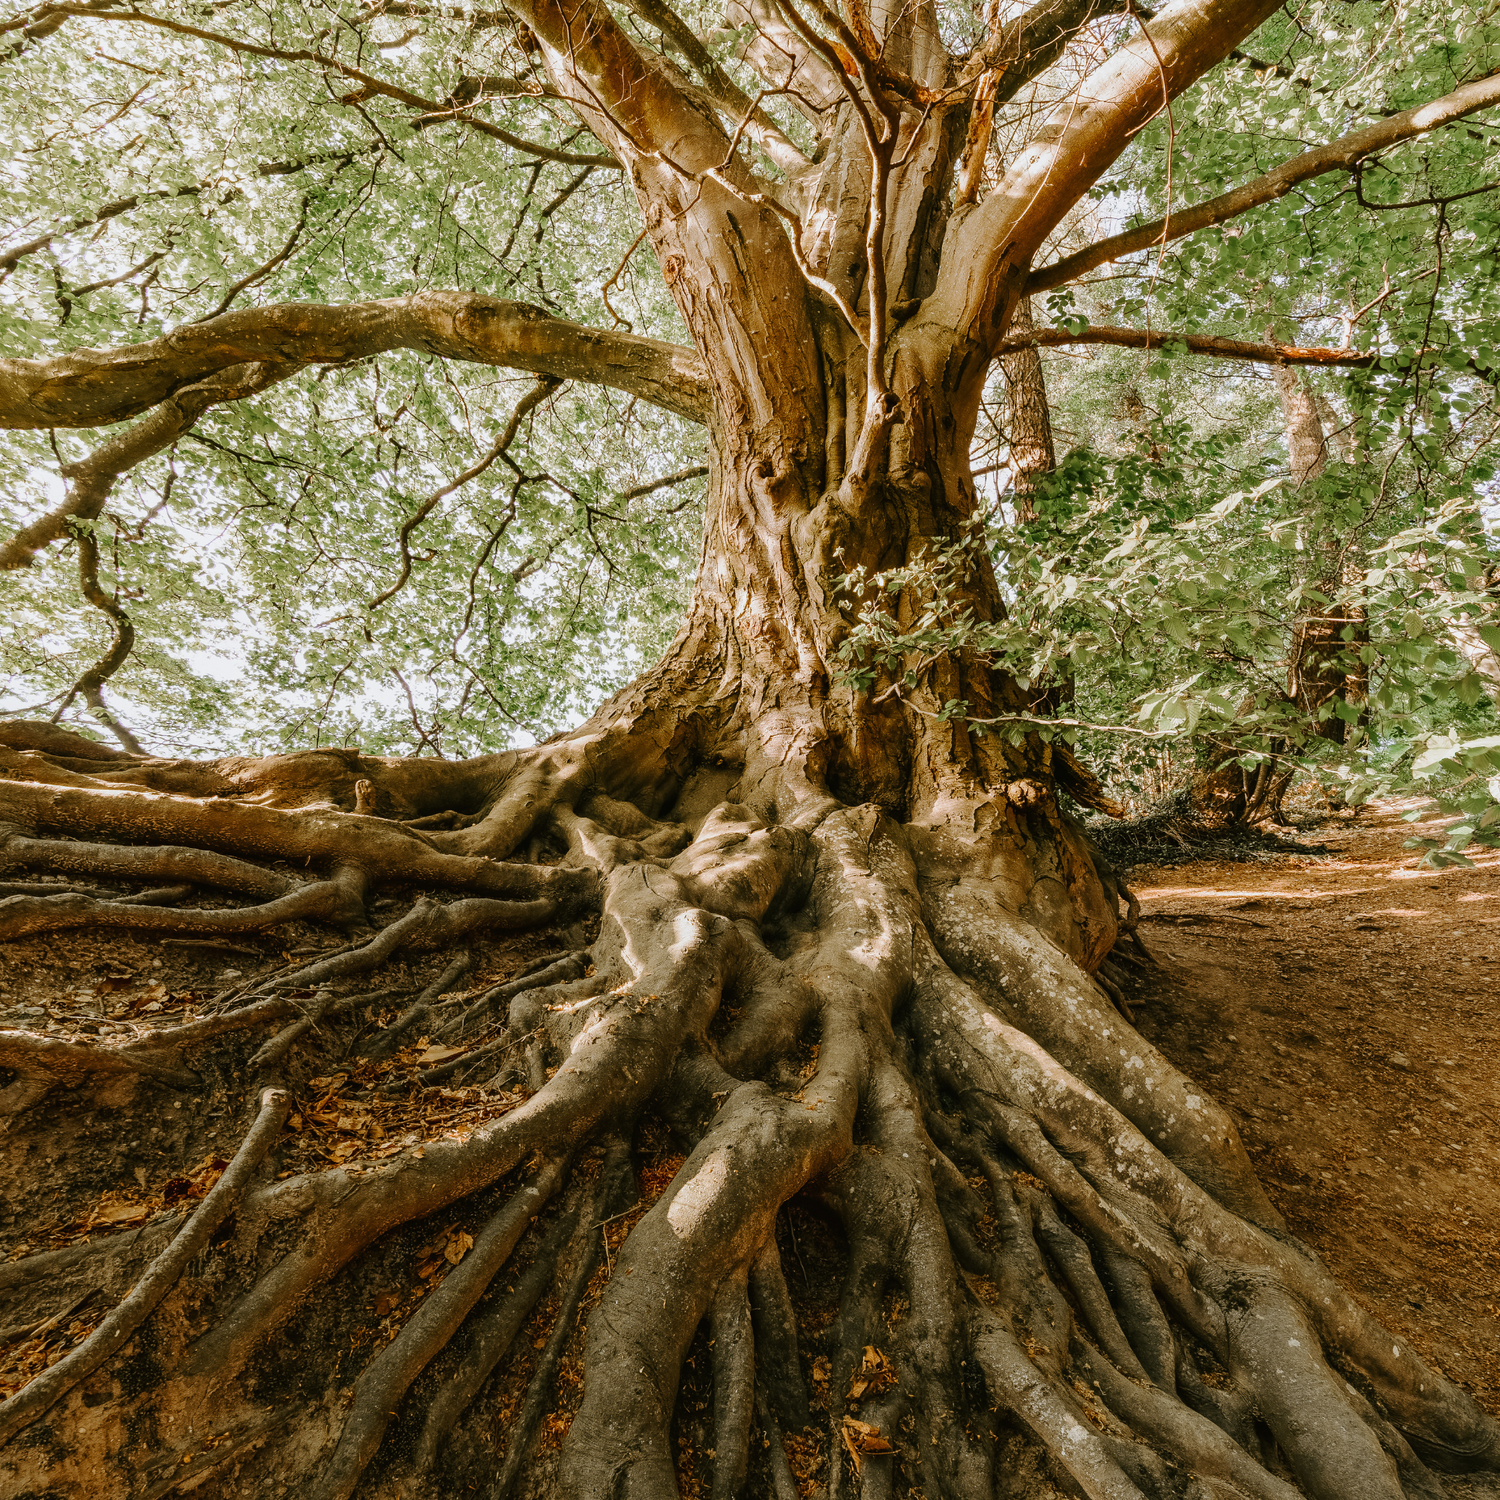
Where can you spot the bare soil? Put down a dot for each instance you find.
(1346, 1009)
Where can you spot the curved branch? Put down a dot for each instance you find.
(92, 387)
(544, 387)
(90, 686)
(724, 92)
(91, 479)
(1343, 154)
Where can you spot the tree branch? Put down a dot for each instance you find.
(1343, 154)
(988, 249)
(369, 85)
(40, 23)
(263, 270)
(91, 479)
(90, 686)
(1030, 44)
(92, 387)
(693, 471)
(10, 259)
(527, 404)
(1197, 343)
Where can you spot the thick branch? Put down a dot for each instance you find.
(988, 249)
(91, 387)
(1341, 155)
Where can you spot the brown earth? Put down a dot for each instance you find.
(1346, 1009)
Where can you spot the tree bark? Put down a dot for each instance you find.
(1032, 455)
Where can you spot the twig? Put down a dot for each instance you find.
(544, 387)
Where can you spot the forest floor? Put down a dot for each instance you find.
(1346, 1009)
(1344, 1005)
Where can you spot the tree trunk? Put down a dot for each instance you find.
(1032, 458)
(1322, 664)
(1032, 455)
(815, 986)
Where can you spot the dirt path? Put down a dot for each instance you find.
(1347, 1010)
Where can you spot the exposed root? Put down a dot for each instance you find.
(389, 1039)
(1037, 1238)
(51, 1060)
(115, 1332)
(491, 1332)
(611, 1192)
(386, 1378)
(734, 1384)
(181, 866)
(329, 901)
(541, 975)
(270, 1055)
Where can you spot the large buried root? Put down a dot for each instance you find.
(1045, 1261)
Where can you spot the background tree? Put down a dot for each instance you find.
(826, 919)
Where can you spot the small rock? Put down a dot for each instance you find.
(1398, 1060)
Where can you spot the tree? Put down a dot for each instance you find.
(846, 936)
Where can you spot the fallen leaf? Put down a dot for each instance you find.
(177, 1189)
(387, 1302)
(875, 1373)
(864, 1438)
(458, 1247)
(439, 1054)
(121, 1213)
(821, 1368)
